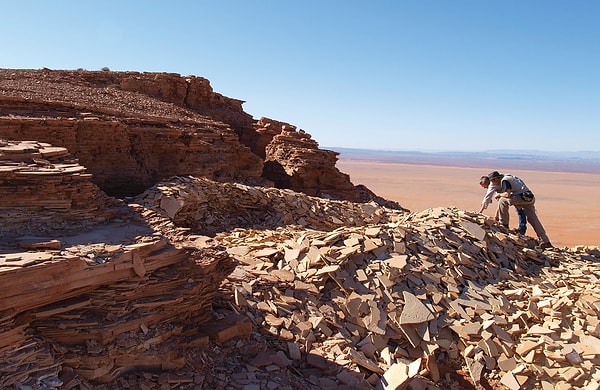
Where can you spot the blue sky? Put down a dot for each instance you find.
(451, 75)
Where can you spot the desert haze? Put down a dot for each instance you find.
(567, 202)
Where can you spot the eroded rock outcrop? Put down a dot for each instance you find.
(44, 190)
(99, 310)
(293, 160)
(126, 154)
(133, 129)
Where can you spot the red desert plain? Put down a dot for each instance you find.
(567, 203)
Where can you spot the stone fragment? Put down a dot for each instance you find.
(414, 311)
(509, 380)
(473, 229)
(396, 377)
(171, 205)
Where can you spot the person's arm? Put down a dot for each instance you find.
(506, 190)
(487, 199)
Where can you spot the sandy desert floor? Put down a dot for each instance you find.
(568, 204)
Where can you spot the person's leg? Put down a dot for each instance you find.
(522, 220)
(532, 218)
(503, 206)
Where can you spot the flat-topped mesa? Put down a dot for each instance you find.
(132, 130)
(44, 190)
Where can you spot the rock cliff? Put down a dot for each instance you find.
(131, 130)
(43, 189)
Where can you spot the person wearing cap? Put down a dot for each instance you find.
(492, 189)
(513, 191)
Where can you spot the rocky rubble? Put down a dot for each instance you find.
(389, 306)
(389, 300)
(354, 296)
(203, 281)
(393, 304)
(200, 205)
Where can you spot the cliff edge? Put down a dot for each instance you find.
(131, 130)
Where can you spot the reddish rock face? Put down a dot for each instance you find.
(293, 160)
(43, 189)
(131, 130)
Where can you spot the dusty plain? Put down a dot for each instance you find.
(568, 203)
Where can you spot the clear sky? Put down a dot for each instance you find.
(462, 75)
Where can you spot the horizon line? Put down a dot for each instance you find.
(463, 150)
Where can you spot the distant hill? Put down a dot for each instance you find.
(584, 162)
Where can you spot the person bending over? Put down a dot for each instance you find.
(514, 192)
(492, 189)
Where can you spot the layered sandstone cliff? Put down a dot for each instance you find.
(131, 130)
(43, 190)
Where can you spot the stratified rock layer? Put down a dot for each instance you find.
(125, 307)
(131, 130)
(44, 190)
(127, 154)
